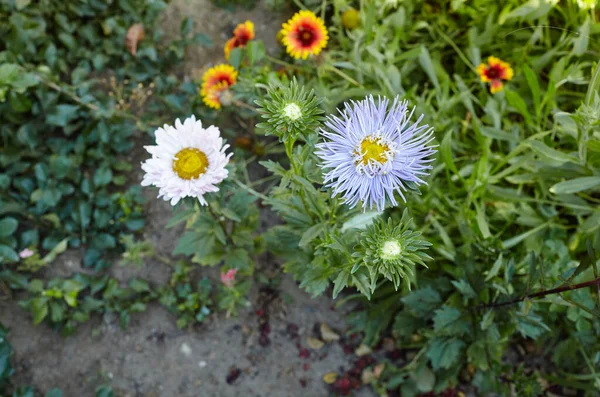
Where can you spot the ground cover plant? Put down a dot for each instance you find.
(433, 165)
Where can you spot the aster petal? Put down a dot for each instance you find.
(404, 153)
(159, 169)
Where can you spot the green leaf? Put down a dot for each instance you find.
(530, 325)
(340, 282)
(422, 301)
(255, 51)
(549, 153)
(39, 308)
(449, 321)
(427, 65)
(424, 379)
(229, 214)
(311, 233)
(534, 86)
(361, 221)
(446, 152)
(235, 57)
(495, 268)
(444, 352)
(576, 185)
(519, 104)
(8, 254)
(57, 250)
(580, 42)
(465, 288)
(62, 115)
(8, 226)
(238, 259)
(361, 282)
(139, 286)
(102, 176)
(8, 72)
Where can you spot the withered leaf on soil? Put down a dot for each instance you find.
(329, 377)
(135, 34)
(314, 343)
(328, 334)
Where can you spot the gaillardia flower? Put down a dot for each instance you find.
(242, 34)
(216, 80)
(305, 34)
(494, 72)
(187, 161)
(373, 152)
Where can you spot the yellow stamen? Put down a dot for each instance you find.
(190, 163)
(372, 148)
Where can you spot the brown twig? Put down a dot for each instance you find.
(540, 294)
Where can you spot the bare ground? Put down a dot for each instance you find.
(152, 357)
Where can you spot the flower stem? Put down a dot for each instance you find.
(250, 190)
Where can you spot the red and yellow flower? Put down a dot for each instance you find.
(305, 34)
(216, 80)
(242, 34)
(494, 72)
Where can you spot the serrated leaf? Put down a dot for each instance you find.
(422, 301)
(465, 288)
(449, 321)
(444, 352)
(311, 233)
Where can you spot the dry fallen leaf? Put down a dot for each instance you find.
(329, 377)
(378, 370)
(314, 343)
(367, 376)
(135, 34)
(362, 350)
(328, 334)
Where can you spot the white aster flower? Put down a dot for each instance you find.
(187, 161)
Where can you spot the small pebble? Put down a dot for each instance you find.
(186, 349)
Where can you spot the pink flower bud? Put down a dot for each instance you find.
(26, 253)
(228, 279)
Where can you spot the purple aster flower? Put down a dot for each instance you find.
(372, 152)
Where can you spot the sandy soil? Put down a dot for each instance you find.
(152, 357)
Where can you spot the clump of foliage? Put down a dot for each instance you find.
(487, 244)
(509, 210)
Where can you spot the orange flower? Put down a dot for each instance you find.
(494, 72)
(216, 80)
(305, 34)
(242, 34)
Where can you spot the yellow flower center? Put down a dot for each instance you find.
(190, 163)
(372, 148)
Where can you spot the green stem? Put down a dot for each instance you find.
(250, 190)
(300, 5)
(333, 69)
(461, 55)
(289, 151)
